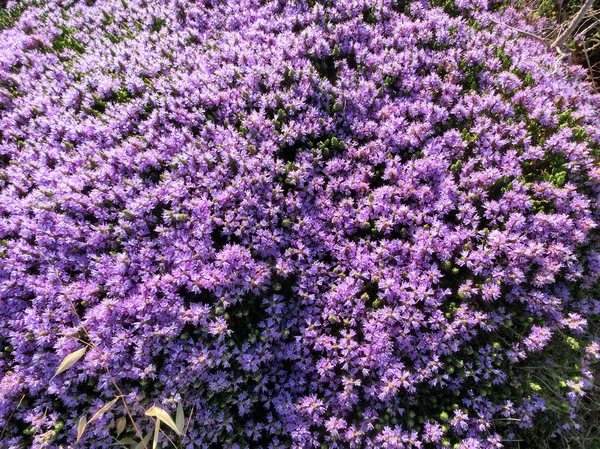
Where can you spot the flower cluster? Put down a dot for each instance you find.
(341, 224)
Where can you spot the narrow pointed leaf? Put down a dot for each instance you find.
(81, 427)
(156, 434)
(145, 441)
(161, 414)
(120, 424)
(103, 410)
(180, 418)
(124, 442)
(69, 361)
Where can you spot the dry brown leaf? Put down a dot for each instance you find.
(103, 410)
(120, 424)
(145, 442)
(156, 434)
(124, 442)
(69, 361)
(161, 414)
(81, 427)
(180, 418)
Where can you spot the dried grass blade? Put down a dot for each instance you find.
(81, 426)
(144, 442)
(180, 418)
(124, 442)
(161, 414)
(103, 410)
(69, 361)
(156, 434)
(120, 425)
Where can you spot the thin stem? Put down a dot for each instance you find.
(518, 30)
(168, 438)
(10, 416)
(591, 27)
(562, 38)
(187, 426)
(135, 427)
(589, 63)
(90, 343)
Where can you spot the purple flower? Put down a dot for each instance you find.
(311, 223)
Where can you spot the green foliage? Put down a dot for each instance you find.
(9, 16)
(67, 40)
(470, 81)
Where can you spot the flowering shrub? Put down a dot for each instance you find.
(342, 224)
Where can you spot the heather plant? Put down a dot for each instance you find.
(341, 224)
